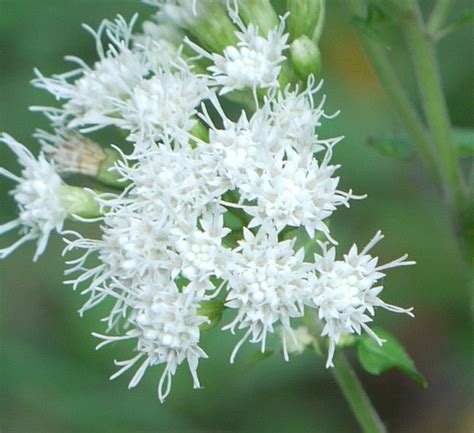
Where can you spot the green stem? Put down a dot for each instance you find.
(434, 105)
(355, 395)
(438, 15)
(410, 118)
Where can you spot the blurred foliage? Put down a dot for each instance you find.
(52, 379)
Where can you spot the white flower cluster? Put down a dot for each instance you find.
(167, 247)
(37, 195)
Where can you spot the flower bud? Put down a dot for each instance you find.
(73, 152)
(305, 58)
(306, 18)
(209, 24)
(79, 201)
(259, 13)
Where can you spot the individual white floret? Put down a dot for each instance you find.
(254, 63)
(38, 198)
(266, 287)
(346, 292)
(165, 327)
(200, 248)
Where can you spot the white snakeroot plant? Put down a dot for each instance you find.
(205, 208)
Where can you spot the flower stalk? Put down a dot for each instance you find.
(434, 141)
(438, 16)
(356, 396)
(396, 92)
(434, 104)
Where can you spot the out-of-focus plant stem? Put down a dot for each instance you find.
(438, 16)
(434, 140)
(425, 62)
(348, 382)
(378, 56)
(355, 395)
(435, 144)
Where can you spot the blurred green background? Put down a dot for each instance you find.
(52, 379)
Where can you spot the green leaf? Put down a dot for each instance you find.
(394, 147)
(377, 359)
(464, 140)
(465, 19)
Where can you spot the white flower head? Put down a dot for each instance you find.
(346, 292)
(179, 182)
(163, 105)
(160, 41)
(38, 197)
(182, 13)
(254, 63)
(266, 286)
(134, 247)
(296, 192)
(90, 91)
(240, 148)
(165, 325)
(297, 117)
